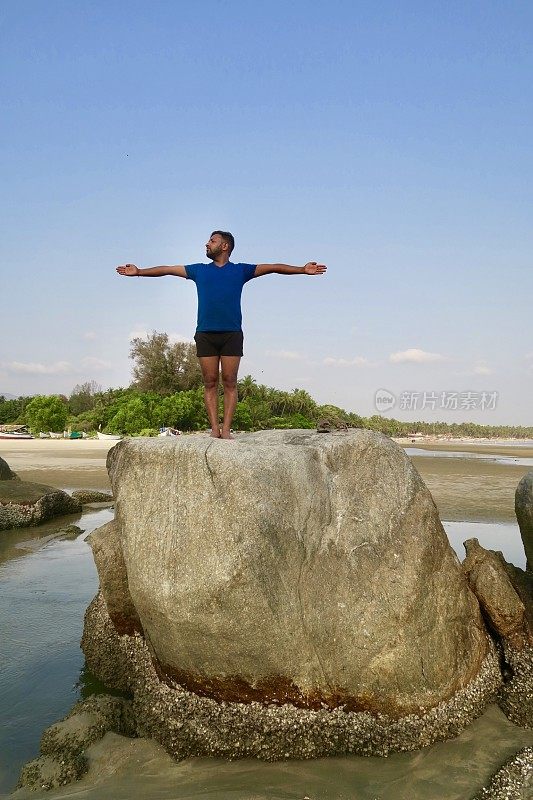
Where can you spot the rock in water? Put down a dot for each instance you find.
(506, 598)
(85, 496)
(23, 503)
(292, 566)
(524, 514)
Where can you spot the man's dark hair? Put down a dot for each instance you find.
(227, 237)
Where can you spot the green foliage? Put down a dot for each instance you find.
(132, 415)
(132, 412)
(242, 420)
(181, 410)
(84, 397)
(46, 413)
(164, 367)
(12, 410)
(294, 421)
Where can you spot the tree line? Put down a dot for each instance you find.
(167, 391)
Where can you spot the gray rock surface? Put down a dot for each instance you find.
(292, 566)
(23, 504)
(109, 560)
(524, 514)
(499, 600)
(504, 595)
(103, 649)
(5, 471)
(189, 725)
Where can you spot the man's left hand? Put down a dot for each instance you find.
(312, 268)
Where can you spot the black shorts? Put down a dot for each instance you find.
(218, 343)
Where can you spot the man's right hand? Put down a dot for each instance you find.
(128, 269)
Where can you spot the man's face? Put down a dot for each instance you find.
(215, 246)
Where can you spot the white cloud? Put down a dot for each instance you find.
(288, 355)
(358, 361)
(143, 333)
(90, 335)
(482, 368)
(33, 368)
(139, 333)
(90, 362)
(178, 337)
(416, 356)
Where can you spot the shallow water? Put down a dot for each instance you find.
(504, 536)
(43, 597)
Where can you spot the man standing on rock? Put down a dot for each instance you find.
(219, 336)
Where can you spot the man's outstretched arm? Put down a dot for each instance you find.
(132, 271)
(311, 268)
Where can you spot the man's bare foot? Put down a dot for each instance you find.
(226, 435)
(215, 433)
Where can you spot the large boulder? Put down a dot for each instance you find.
(23, 504)
(291, 566)
(524, 514)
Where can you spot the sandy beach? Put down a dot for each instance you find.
(62, 463)
(463, 488)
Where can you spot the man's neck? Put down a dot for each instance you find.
(221, 261)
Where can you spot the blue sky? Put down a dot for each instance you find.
(391, 141)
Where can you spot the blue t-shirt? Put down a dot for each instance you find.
(219, 294)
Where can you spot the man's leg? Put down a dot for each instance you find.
(210, 369)
(230, 368)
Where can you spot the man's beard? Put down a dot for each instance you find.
(213, 252)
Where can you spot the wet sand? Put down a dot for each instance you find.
(62, 463)
(469, 489)
(463, 488)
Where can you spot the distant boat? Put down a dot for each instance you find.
(43, 435)
(111, 437)
(76, 435)
(53, 435)
(15, 432)
(169, 432)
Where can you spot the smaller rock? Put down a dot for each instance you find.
(5, 471)
(109, 560)
(499, 587)
(63, 744)
(23, 504)
(47, 772)
(523, 503)
(87, 722)
(497, 596)
(70, 532)
(85, 496)
(102, 647)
